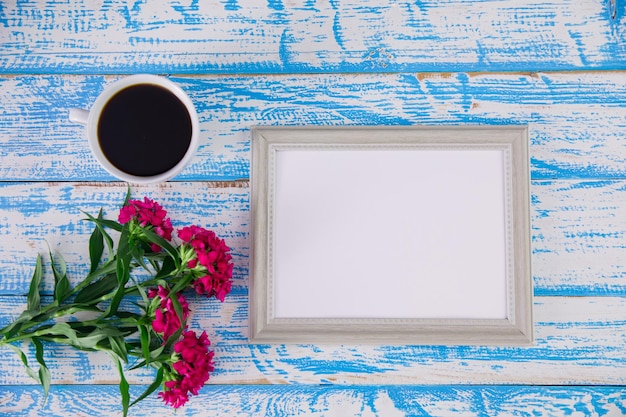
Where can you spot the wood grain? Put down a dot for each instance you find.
(51, 215)
(554, 65)
(578, 228)
(327, 400)
(579, 237)
(310, 36)
(578, 340)
(575, 119)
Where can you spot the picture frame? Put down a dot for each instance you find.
(390, 235)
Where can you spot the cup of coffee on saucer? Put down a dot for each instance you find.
(142, 129)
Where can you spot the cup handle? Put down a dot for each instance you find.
(79, 116)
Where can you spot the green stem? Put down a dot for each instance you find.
(107, 268)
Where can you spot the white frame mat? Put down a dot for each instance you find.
(390, 235)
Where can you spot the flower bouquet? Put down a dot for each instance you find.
(140, 322)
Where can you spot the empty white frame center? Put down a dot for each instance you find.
(390, 233)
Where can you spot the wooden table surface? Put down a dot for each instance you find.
(558, 66)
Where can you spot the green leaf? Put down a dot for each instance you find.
(167, 268)
(181, 285)
(101, 224)
(144, 338)
(138, 255)
(124, 388)
(15, 327)
(29, 319)
(158, 379)
(59, 329)
(127, 196)
(122, 270)
(33, 300)
(124, 256)
(156, 355)
(22, 356)
(118, 346)
(154, 261)
(154, 238)
(62, 329)
(109, 267)
(115, 302)
(138, 365)
(96, 245)
(80, 336)
(61, 282)
(96, 290)
(144, 296)
(89, 342)
(111, 224)
(177, 308)
(173, 338)
(44, 372)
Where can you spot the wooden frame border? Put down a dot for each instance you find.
(516, 329)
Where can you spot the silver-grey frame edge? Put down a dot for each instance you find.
(264, 328)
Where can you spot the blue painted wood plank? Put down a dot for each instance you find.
(576, 120)
(310, 37)
(51, 215)
(318, 401)
(578, 237)
(578, 340)
(578, 230)
(334, 63)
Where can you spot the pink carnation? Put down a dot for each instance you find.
(166, 321)
(217, 284)
(212, 253)
(148, 213)
(193, 369)
(173, 394)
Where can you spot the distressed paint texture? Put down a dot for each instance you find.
(577, 120)
(572, 333)
(310, 36)
(558, 66)
(223, 208)
(334, 401)
(578, 341)
(578, 228)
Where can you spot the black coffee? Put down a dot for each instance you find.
(144, 130)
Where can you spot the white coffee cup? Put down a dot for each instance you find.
(130, 125)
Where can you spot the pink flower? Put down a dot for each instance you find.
(192, 370)
(217, 284)
(174, 395)
(166, 321)
(148, 213)
(213, 254)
